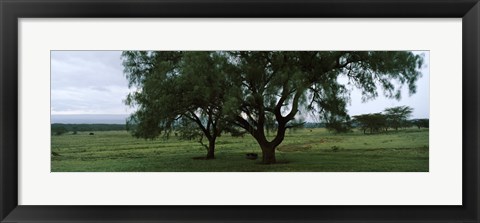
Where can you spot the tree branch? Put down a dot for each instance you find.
(249, 114)
(200, 124)
(201, 142)
(278, 107)
(294, 109)
(245, 125)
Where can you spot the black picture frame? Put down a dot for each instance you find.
(12, 10)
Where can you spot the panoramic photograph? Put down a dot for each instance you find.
(240, 111)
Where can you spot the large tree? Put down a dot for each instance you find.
(281, 84)
(261, 86)
(177, 90)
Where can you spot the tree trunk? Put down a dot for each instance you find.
(268, 154)
(211, 149)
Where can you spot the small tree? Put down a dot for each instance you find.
(397, 117)
(421, 123)
(374, 122)
(59, 130)
(338, 124)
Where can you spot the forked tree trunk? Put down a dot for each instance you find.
(268, 148)
(268, 154)
(269, 157)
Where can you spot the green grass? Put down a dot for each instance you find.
(305, 150)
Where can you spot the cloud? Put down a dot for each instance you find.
(92, 82)
(87, 82)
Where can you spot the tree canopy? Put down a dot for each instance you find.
(372, 122)
(184, 88)
(421, 123)
(257, 90)
(397, 117)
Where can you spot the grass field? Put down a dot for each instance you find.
(305, 150)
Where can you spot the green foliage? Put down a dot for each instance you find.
(58, 130)
(339, 124)
(190, 87)
(421, 123)
(188, 130)
(259, 91)
(279, 84)
(373, 122)
(397, 117)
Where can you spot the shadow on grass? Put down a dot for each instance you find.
(202, 158)
(276, 163)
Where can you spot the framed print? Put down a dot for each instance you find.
(273, 111)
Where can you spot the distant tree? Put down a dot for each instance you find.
(397, 117)
(421, 123)
(296, 125)
(90, 127)
(338, 124)
(373, 122)
(59, 130)
(237, 133)
(314, 125)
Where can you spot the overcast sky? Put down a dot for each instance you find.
(92, 82)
